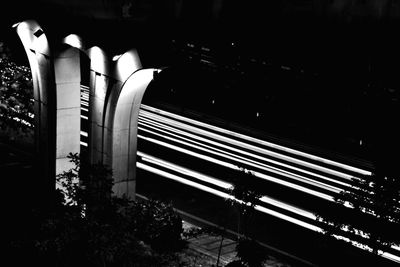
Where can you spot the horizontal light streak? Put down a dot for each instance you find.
(84, 103)
(262, 209)
(290, 176)
(224, 195)
(258, 141)
(84, 117)
(241, 158)
(184, 171)
(189, 152)
(268, 200)
(288, 218)
(232, 166)
(83, 133)
(247, 146)
(85, 109)
(288, 207)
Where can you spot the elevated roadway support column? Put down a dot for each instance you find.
(100, 81)
(37, 48)
(125, 129)
(68, 81)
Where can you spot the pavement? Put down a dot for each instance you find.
(209, 245)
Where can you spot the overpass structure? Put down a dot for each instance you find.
(88, 99)
(85, 102)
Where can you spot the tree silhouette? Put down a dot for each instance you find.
(369, 213)
(16, 93)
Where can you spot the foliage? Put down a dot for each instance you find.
(245, 196)
(374, 215)
(88, 226)
(157, 224)
(16, 94)
(250, 252)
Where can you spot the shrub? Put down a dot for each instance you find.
(90, 227)
(157, 224)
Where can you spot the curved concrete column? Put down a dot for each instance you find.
(67, 66)
(100, 80)
(37, 49)
(125, 128)
(124, 67)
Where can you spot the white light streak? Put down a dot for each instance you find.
(185, 171)
(258, 141)
(225, 196)
(239, 151)
(241, 144)
(232, 166)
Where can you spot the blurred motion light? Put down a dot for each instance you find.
(15, 25)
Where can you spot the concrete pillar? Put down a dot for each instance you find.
(37, 49)
(68, 82)
(117, 149)
(124, 66)
(99, 83)
(124, 132)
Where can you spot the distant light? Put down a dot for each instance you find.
(232, 43)
(116, 57)
(257, 114)
(15, 25)
(213, 101)
(361, 142)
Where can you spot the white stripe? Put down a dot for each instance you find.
(290, 176)
(184, 171)
(247, 146)
(224, 185)
(225, 196)
(259, 141)
(241, 159)
(232, 166)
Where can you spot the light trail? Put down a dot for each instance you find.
(244, 145)
(153, 123)
(287, 175)
(164, 129)
(205, 178)
(232, 166)
(184, 171)
(258, 141)
(148, 124)
(225, 195)
(265, 210)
